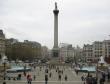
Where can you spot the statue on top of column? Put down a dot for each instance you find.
(55, 5)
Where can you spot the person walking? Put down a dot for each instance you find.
(34, 77)
(46, 79)
(101, 81)
(108, 76)
(66, 78)
(82, 77)
(29, 80)
(59, 77)
(50, 74)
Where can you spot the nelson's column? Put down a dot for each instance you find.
(55, 47)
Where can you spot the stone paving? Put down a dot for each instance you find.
(40, 75)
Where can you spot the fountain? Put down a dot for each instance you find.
(12, 67)
(102, 62)
(19, 67)
(4, 60)
(102, 65)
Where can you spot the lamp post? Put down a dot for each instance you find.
(97, 69)
(4, 65)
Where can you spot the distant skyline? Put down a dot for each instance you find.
(80, 21)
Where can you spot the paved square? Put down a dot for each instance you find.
(40, 77)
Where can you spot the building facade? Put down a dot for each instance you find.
(97, 50)
(88, 52)
(93, 52)
(44, 52)
(2, 43)
(106, 48)
(66, 50)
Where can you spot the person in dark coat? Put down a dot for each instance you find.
(101, 81)
(50, 74)
(46, 79)
(66, 78)
(108, 76)
(59, 77)
(82, 78)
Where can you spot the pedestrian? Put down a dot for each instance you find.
(94, 81)
(77, 72)
(82, 78)
(62, 71)
(66, 78)
(28, 76)
(40, 68)
(56, 70)
(103, 76)
(46, 79)
(29, 80)
(24, 73)
(108, 76)
(50, 74)
(19, 76)
(4, 82)
(59, 77)
(34, 67)
(34, 77)
(101, 81)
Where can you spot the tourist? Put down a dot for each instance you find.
(19, 76)
(66, 78)
(82, 77)
(89, 79)
(4, 82)
(24, 73)
(62, 71)
(94, 80)
(108, 76)
(40, 68)
(34, 67)
(103, 76)
(46, 70)
(9, 78)
(59, 77)
(34, 77)
(56, 70)
(29, 80)
(77, 72)
(46, 79)
(101, 81)
(50, 74)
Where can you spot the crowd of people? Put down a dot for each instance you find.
(61, 75)
(89, 79)
(59, 71)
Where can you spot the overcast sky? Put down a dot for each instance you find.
(80, 21)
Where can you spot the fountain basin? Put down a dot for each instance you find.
(88, 69)
(15, 69)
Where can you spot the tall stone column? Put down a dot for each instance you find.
(55, 47)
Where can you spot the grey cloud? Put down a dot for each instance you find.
(80, 21)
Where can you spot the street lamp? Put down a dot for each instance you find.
(97, 69)
(4, 65)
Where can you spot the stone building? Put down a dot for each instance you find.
(2, 43)
(97, 50)
(44, 52)
(106, 50)
(88, 52)
(66, 50)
